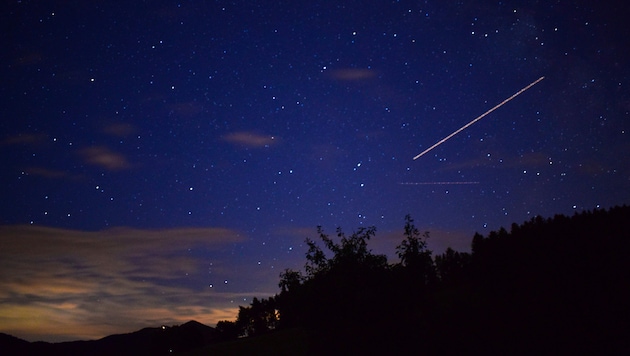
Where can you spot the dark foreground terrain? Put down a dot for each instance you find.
(548, 286)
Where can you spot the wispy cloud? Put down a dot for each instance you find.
(187, 109)
(105, 158)
(60, 284)
(250, 139)
(119, 129)
(352, 74)
(25, 139)
(45, 172)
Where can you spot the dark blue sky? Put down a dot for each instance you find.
(164, 161)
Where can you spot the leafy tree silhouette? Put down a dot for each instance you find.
(452, 266)
(351, 252)
(556, 285)
(415, 256)
(227, 330)
(289, 280)
(259, 318)
(560, 281)
(342, 290)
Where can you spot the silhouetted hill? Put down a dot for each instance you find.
(148, 341)
(9, 342)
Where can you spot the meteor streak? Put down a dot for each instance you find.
(479, 117)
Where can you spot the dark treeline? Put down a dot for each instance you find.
(549, 286)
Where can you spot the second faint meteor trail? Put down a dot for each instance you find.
(479, 118)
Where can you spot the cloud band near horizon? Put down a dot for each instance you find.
(61, 284)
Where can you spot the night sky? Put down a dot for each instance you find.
(164, 161)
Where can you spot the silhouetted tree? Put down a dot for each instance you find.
(451, 266)
(414, 255)
(557, 280)
(259, 318)
(227, 330)
(289, 280)
(350, 251)
(340, 285)
(560, 282)
(477, 240)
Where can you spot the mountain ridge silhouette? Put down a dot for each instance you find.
(163, 340)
